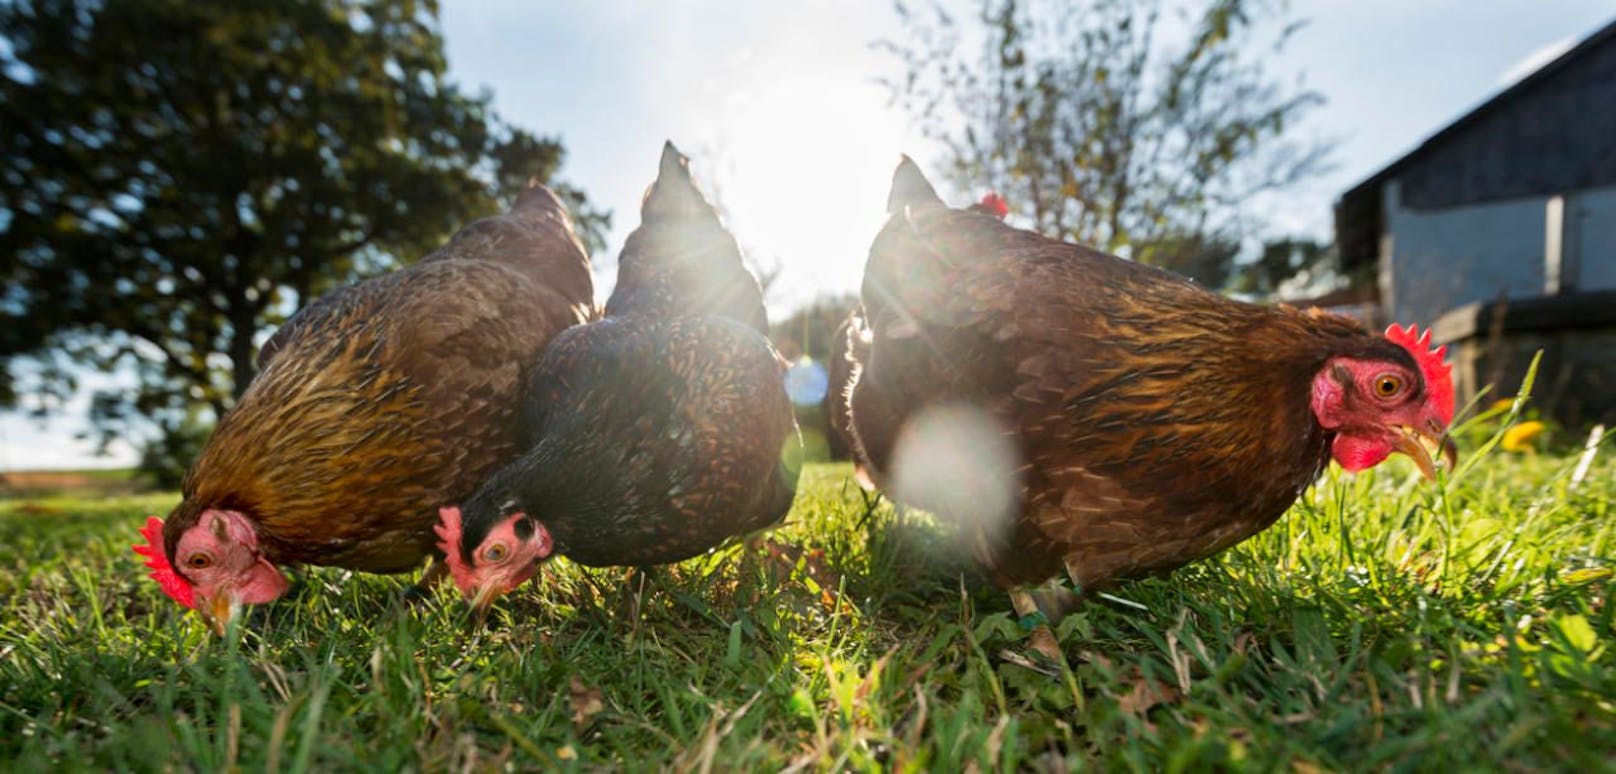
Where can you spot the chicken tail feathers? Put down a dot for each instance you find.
(536, 236)
(910, 188)
(681, 259)
(536, 199)
(674, 193)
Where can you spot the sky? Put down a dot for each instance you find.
(779, 106)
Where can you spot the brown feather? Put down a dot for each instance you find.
(659, 431)
(1158, 422)
(384, 400)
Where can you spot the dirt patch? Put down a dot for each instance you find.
(35, 483)
(47, 479)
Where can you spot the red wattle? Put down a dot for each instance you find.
(1356, 453)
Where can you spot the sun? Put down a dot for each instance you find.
(802, 173)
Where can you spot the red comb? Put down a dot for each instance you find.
(1438, 374)
(995, 204)
(448, 529)
(177, 588)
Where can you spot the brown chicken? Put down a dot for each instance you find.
(850, 346)
(653, 434)
(373, 407)
(1151, 422)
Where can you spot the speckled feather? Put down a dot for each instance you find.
(1157, 422)
(386, 399)
(707, 281)
(682, 260)
(657, 439)
(656, 433)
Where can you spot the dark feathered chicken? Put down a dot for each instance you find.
(850, 348)
(654, 434)
(682, 260)
(1153, 422)
(373, 407)
(839, 376)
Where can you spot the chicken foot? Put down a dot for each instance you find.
(1046, 652)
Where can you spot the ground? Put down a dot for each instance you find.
(42, 483)
(1384, 622)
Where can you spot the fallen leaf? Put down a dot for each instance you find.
(586, 703)
(1148, 693)
(1097, 659)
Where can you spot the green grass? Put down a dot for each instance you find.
(101, 474)
(1383, 623)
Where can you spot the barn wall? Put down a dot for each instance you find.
(1576, 332)
(1595, 230)
(1555, 134)
(1439, 259)
(1576, 380)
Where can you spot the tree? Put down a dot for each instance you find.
(1105, 124)
(1298, 269)
(811, 329)
(177, 177)
(1287, 261)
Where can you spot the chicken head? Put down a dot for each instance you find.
(507, 556)
(1378, 406)
(215, 566)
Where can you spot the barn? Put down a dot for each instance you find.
(1499, 231)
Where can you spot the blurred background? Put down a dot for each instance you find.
(176, 178)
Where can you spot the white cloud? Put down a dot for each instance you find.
(1531, 62)
(53, 443)
(26, 444)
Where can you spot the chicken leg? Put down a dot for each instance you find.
(1046, 652)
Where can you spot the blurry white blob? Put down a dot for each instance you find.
(957, 462)
(806, 382)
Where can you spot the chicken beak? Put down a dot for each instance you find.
(1412, 442)
(218, 612)
(483, 599)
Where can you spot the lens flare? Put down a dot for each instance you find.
(807, 382)
(958, 462)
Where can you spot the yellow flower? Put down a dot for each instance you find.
(1502, 404)
(1522, 436)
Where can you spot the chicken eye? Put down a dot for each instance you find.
(494, 553)
(1388, 385)
(199, 561)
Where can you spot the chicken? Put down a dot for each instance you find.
(850, 347)
(1151, 422)
(845, 353)
(374, 406)
(652, 435)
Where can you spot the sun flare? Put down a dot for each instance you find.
(802, 173)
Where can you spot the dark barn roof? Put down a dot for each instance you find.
(1550, 132)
